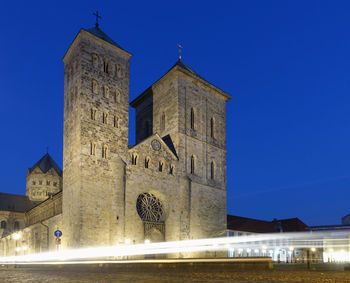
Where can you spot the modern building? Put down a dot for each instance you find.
(278, 250)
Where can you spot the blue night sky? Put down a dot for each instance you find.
(285, 63)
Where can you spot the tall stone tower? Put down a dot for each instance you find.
(96, 96)
(187, 110)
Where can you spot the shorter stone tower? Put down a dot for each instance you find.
(43, 179)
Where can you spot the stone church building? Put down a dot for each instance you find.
(170, 185)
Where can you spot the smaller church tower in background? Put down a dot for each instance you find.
(43, 179)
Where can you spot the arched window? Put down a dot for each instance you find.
(133, 159)
(104, 118)
(93, 114)
(147, 159)
(106, 67)
(118, 70)
(212, 125)
(212, 170)
(193, 164)
(16, 225)
(117, 96)
(116, 122)
(94, 60)
(161, 165)
(3, 224)
(162, 122)
(104, 151)
(106, 91)
(192, 118)
(92, 148)
(171, 169)
(94, 87)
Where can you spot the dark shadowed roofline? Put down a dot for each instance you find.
(245, 224)
(16, 203)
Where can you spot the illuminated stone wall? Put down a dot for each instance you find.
(96, 80)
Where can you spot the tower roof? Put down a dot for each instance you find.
(180, 65)
(96, 31)
(45, 164)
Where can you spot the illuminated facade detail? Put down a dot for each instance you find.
(149, 208)
(99, 198)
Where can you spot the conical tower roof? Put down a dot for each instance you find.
(45, 164)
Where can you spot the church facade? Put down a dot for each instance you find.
(170, 185)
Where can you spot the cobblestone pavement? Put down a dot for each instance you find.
(28, 275)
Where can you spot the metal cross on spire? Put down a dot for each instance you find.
(180, 49)
(97, 17)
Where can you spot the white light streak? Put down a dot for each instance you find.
(248, 243)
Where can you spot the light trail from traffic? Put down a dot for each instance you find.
(306, 240)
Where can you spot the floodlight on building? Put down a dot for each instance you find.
(256, 250)
(264, 247)
(313, 249)
(248, 250)
(24, 248)
(291, 248)
(147, 241)
(127, 241)
(18, 249)
(16, 236)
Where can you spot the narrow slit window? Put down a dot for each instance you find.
(192, 118)
(212, 170)
(161, 165)
(171, 170)
(192, 164)
(212, 125)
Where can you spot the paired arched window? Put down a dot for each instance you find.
(192, 118)
(3, 224)
(193, 164)
(212, 127)
(212, 170)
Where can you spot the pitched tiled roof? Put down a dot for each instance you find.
(45, 164)
(261, 226)
(18, 203)
(96, 31)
